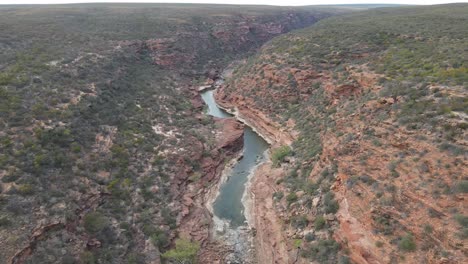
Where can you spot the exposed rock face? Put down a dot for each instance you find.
(230, 136)
(270, 237)
(197, 220)
(243, 33)
(273, 132)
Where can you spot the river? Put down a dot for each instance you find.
(228, 205)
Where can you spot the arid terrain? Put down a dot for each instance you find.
(107, 154)
(376, 114)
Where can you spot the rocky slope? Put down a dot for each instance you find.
(374, 104)
(105, 155)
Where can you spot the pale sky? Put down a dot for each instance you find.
(258, 2)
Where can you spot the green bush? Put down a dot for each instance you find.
(279, 154)
(324, 251)
(297, 243)
(299, 222)
(462, 220)
(463, 234)
(87, 258)
(25, 189)
(95, 222)
(291, 198)
(462, 186)
(136, 258)
(309, 237)
(407, 243)
(184, 253)
(319, 222)
(278, 195)
(159, 238)
(331, 205)
(75, 147)
(344, 260)
(428, 229)
(4, 221)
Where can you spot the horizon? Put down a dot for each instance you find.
(233, 2)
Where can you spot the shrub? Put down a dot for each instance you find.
(278, 195)
(291, 198)
(324, 251)
(407, 243)
(136, 258)
(344, 260)
(331, 205)
(463, 234)
(4, 221)
(159, 239)
(366, 179)
(185, 252)
(311, 188)
(462, 220)
(75, 147)
(95, 222)
(319, 222)
(385, 224)
(309, 237)
(25, 189)
(299, 222)
(428, 229)
(297, 243)
(280, 154)
(87, 258)
(68, 259)
(462, 186)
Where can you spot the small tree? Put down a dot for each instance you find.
(184, 253)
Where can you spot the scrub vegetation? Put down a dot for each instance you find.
(379, 99)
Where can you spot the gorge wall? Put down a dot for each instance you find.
(376, 170)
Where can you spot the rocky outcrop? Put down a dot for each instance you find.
(37, 234)
(270, 240)
(270, 130)
(197, 219)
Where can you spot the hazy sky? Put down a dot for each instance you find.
(259, 2)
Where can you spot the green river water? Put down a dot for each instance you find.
(228, 205)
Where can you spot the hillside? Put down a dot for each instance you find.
(374, 107)
(105, 155)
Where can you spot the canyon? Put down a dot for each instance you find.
(106, 155)
(166, 133)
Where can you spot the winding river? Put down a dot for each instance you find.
(228, 205)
